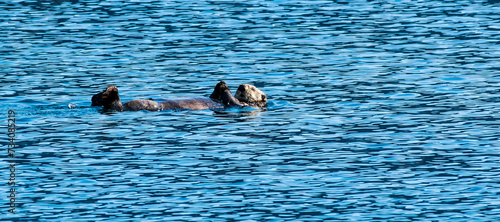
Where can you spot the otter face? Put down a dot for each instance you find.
(251, 95)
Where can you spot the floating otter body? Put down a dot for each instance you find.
(219, 99)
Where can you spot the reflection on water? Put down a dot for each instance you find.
(378, 111)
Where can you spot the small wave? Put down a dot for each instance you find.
(69, 110)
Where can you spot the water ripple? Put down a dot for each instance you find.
(378, 111)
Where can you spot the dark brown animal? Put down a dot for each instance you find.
(220, 98)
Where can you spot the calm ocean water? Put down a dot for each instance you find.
(378, 110)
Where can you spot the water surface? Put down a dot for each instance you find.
(377, 111)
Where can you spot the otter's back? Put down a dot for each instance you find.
(141, 104)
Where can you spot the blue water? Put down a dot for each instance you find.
(378, 110)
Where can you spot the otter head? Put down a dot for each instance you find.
(251, 95)
(222, 95)
(109, 98)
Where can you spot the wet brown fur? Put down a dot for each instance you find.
(110, 99)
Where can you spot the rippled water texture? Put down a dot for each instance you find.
(377, 111)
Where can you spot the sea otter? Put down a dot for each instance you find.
(219, 99)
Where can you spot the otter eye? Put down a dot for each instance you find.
(263, 97)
